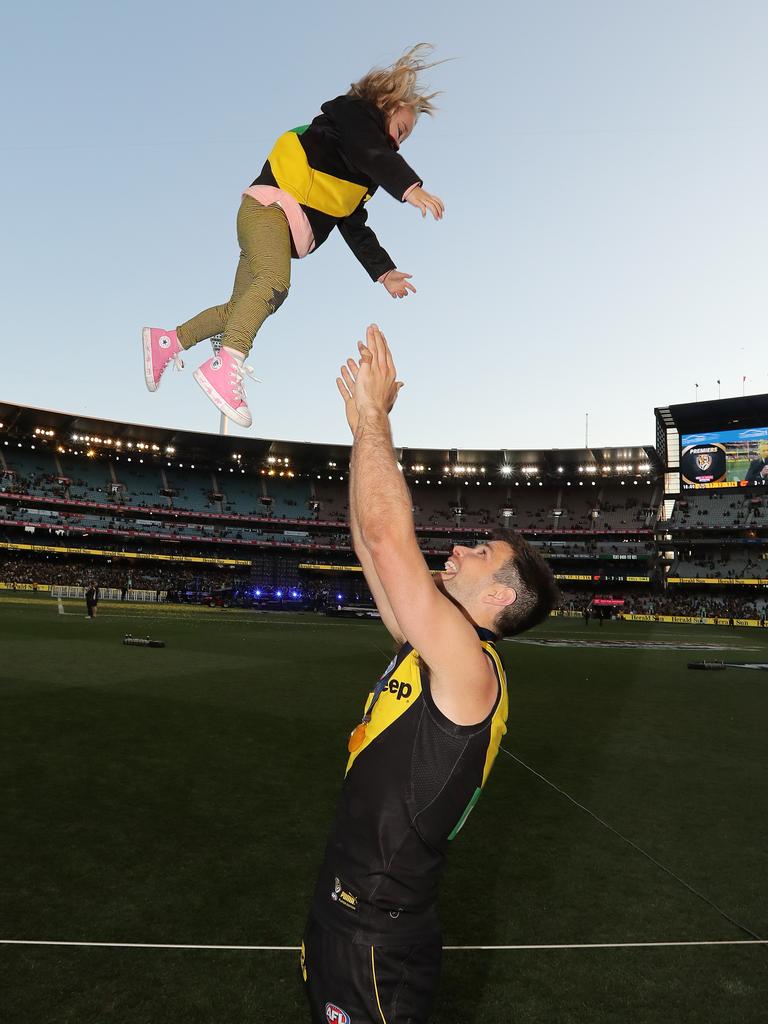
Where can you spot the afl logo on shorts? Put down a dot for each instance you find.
(335, 1016)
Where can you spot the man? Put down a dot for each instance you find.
(92, 599)
(758, 468)
(430, 732)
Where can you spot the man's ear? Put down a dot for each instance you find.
(500, 596)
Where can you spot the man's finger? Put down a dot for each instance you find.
(349, 380)
(382, 348)
(343, 389)
(372, 341)
(387, 364)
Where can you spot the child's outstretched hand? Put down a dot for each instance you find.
(398, 284)
(424, 201)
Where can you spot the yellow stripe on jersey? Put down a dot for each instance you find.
(403, 688)
(316, 189)
(499, 720)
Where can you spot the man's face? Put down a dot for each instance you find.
(401, 124)
(469, 572)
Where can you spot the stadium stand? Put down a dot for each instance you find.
(81, 496)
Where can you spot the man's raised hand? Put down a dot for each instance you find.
(346, 385)
(376, 384)
(347, 381)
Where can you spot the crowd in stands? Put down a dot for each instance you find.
(445, 505)
(698, 605)
(730, 564)
(142, 576)
(673, 601)
(716, 511)
(301, 514)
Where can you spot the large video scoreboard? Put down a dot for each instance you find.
(717, 444)
(724, 458)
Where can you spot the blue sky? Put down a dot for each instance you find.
(604, 167)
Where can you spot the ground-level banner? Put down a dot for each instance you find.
(322, 567)
(719, 581)
(25, 586)
(692, 620)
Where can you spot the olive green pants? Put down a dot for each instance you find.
(261, 283)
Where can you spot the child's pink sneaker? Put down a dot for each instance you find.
(221, 378)
(160, 347)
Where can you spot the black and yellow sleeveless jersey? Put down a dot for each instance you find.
(407, 792)
(333, 166)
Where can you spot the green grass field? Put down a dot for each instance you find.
(183, 795)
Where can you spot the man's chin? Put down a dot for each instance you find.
(443, 581)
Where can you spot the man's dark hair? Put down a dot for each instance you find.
(529, 575)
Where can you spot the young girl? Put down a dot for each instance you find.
(316, 178)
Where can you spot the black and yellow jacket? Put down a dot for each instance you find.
(333, 166)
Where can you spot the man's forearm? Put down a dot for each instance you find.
(380, 501)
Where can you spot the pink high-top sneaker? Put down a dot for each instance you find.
(221, 378)
(160, 347)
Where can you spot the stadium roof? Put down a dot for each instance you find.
(719, 414)
(68, 429)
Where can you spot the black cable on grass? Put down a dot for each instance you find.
(629, 842)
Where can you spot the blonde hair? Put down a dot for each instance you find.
(398, 85)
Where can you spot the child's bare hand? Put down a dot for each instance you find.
(398, 284)
(424, 201)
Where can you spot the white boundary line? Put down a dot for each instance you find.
(295, 949)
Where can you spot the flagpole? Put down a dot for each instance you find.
(223, 423)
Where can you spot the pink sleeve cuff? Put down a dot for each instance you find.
(380, 280)
(416, 184)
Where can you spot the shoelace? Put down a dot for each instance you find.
(236, 376)
(178, 362)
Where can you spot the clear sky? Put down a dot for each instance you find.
(604, 165)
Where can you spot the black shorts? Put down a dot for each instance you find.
(350, 983)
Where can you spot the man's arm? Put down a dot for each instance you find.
(346, 385)
(463, 683)
(375, 585)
